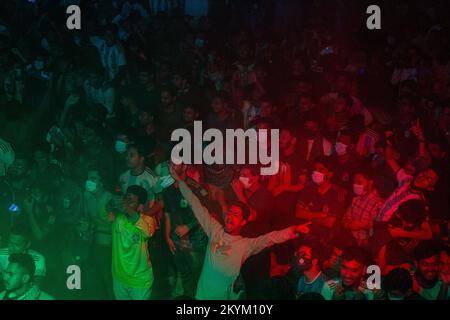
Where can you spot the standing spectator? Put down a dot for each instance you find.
(131, 266)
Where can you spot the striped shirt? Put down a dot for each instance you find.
(400, 195)
(364, 209)
(38, 258)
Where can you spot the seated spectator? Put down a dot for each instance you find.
(19, 242)
(18, 278)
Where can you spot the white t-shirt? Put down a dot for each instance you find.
(147, 180)
(38, 258)
(112, 57)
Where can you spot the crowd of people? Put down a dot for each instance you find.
(87, 179)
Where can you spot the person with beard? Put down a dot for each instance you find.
(18, 279)
(227, 250)
(423, 182)
(426, 280)
(307, 260)
(350, 285)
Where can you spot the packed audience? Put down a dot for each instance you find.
(87, 179)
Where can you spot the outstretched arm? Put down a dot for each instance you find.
(258, 244)
(208, 223)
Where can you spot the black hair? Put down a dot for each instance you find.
(254, 168)
(138, 147)
(398, 279)
(356, 254)
(169, 89)
(21, 230)
(326, 161)
(244, 208)
(427, 249)
(138, 191)
(25, 261)
(222, 95)
(366, 171)
(317, 251)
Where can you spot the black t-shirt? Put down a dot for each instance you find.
(256, 269)
(331, 202)
(181, 214)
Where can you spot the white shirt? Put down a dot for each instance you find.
(147, 180)
(112, 57)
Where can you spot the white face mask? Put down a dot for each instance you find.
(358, 189)
(91, 186)
(245, 181)
(340, 148)
(121, 147)
(318, 178)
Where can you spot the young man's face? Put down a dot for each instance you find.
(134, 159)
(14, 277)
(426, 180)
(429, 268)
(233, 220)
(286, 139)
(351, 273)
(189, 115)
(17, 244)
(359, 179)
(217, 105)
(166, 98)
(131, 202)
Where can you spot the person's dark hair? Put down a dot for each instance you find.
(245, 209)
(25, 261)
(427, 249)
(355, 254)
(222, 95)
(327, 162)
(254, 168)
(138, 191)
(366, 171)
(398, 279)
(138, 147)
(317, 251)
(21, 230)
(169, 89)
(412, 211)
(348, 100)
